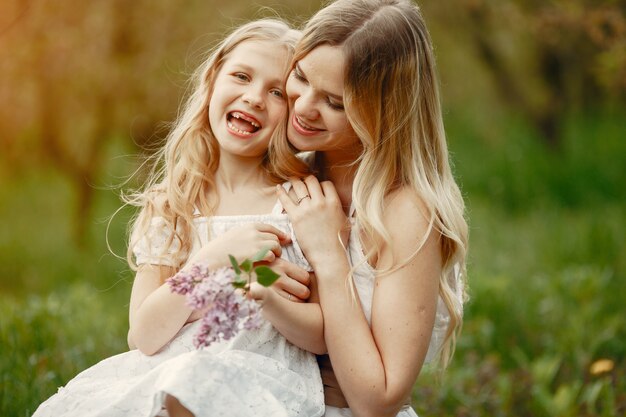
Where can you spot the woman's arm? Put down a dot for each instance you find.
(376, 367)
(301, 323)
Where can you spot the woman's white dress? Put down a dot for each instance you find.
(257, 373)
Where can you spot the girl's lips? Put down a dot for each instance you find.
(242, 131)
(303, 128)
(247, 117)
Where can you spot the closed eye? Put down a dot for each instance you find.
(333, 105)
(298, 75)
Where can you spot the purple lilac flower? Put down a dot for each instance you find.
(228, 311)
(184, 281)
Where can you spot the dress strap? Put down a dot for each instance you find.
(278, 207)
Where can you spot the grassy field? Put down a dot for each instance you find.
(544, 333)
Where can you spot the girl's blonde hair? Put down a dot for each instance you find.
(391, 99)
(182, 172)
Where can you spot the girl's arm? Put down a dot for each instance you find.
(376, 367)
(156, 314)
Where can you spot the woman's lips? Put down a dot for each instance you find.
(302, 128)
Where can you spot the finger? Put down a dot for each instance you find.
(313, 186)
(299, 274)
(256, 291)
(280, 240)
(269, 257)
(291, 297)
(329, 190)
(299, 188)
(284, 199)
(268, 228)
(274, 247)
(291, 286)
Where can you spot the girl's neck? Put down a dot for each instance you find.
(242, 187)
(236, 173)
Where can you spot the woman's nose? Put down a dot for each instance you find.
(305, 105)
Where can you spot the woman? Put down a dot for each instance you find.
(363, 94)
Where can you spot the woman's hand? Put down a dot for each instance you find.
(293, 283)
(317, 217)
(242, 242)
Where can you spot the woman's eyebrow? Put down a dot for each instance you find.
(323, 92)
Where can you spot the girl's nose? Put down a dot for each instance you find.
(253, 98)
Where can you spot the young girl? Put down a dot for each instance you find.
(213, 195)
(363, 94)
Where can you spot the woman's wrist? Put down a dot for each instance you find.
(329, 261)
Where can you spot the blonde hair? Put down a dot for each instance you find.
(391, 99)
(182, 172)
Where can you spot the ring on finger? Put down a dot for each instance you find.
(302, 198)
(289, 297)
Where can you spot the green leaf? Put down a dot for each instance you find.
(233, 262)
(260, 255)
(246, 265)
(265, 275)
(240, 283)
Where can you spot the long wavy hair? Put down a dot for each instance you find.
(183, 171)
(391, 99)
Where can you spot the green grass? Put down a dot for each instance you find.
(547, 273)
(46, 340)
(543, 309)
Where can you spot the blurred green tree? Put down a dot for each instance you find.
(546, 59)
(75, 75)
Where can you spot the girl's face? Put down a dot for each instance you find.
(248, 100)
(317, 119)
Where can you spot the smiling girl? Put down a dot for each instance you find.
(212, 194)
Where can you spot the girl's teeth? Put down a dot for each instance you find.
(238, 115)
(242, 132)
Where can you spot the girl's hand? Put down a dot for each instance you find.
(317, 217)
(242, 242)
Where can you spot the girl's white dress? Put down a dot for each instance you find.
(257, 373)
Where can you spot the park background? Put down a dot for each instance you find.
(534, 101)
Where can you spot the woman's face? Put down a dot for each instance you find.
(317, 119)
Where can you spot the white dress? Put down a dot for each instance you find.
(364, 278)
(257, 373)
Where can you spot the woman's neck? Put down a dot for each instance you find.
(340, 170)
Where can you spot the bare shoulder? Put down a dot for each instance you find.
(412, 234)
(405, 212)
